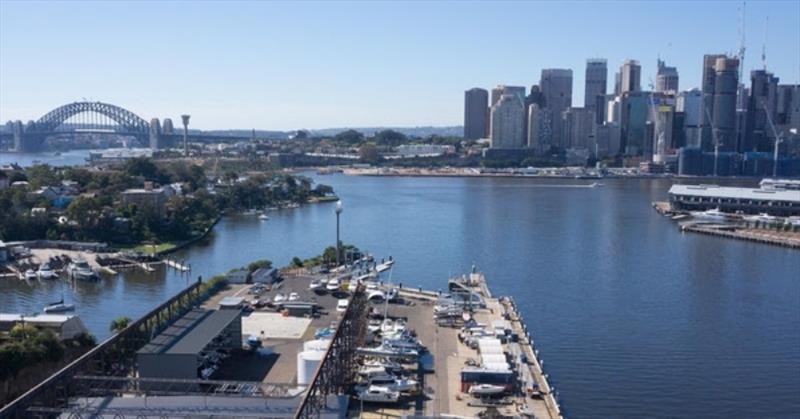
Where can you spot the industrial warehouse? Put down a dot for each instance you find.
(775, 198)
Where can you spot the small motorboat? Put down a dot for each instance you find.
(376, 394)
(710, 215)
(263, 217)
(46, 272)
(279, 298)
(486, 390)
(58, 307)
(30, 275)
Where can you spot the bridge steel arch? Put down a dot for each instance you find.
(128, 121)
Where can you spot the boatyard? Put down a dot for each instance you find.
(311, 344)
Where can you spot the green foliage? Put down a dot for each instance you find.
(263, 263)
(29, 345)
(368, 153)
(389, 138)
(349, 137)
(296, 262)
(119, 324)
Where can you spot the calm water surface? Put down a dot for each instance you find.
(66, 158)
(632, 318)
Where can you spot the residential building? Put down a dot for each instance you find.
(149, 197)
(726, 84)
(761, 105)
(690, 103)
(65, 326)
(476, 109)
(708, 89)
(508, 116)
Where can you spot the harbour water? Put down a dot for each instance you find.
(632, 317)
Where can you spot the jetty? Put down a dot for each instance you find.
(287, 348)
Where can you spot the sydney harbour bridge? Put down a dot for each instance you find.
(87, 118)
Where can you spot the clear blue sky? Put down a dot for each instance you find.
(270, 65)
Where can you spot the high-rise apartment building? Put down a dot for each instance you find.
(476, 109)
(556, 85)
(726, 84)
(763, 100)
(630, 76)
(508, 116)
(690, 103)
(709, 81)
(596, 79)
(666, 78)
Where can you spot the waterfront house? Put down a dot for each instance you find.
(264, 276)
(237, 276)
(65, 326)
(149, 197)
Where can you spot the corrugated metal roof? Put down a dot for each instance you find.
(192, 332)
(713, 191)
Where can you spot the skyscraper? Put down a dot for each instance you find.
(579, 128)
(709, 81)
(666, 78)
(596, 76)
(726, 84)
(763, 99)
(630, 76)
(690, 103)
(475, 113)
(502, 89)
(556, 84)
(508, 115)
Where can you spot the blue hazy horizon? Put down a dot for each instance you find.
(269, 65)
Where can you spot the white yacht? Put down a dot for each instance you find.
(486, 390)
(710, 215)
(378, 395)
(79, 269)
(263, 216)
(30, 275)
(46, 272)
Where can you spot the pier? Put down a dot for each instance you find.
(274, 380)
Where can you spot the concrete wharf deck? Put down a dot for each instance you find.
(441, 394)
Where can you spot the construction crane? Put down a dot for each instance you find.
(658, 133)
(742, 20)
(778, 140)
(716, 140)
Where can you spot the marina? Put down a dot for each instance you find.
(280, 350)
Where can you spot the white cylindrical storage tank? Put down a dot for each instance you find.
(316, 345)
(307, 363)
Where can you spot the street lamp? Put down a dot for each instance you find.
(338, 242)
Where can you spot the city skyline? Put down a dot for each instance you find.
(284, 66)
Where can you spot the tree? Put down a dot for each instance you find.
(263, 263)
(119, 324)
(389, 138)
(297, 262)
(350, 137)
(144, 167)
(368, 153)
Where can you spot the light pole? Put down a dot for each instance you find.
(338, 242)
(185, 119)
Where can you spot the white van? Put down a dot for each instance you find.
(341, 306)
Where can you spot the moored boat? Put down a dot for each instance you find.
(80, 270)
(58, 307)
(46, 272)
